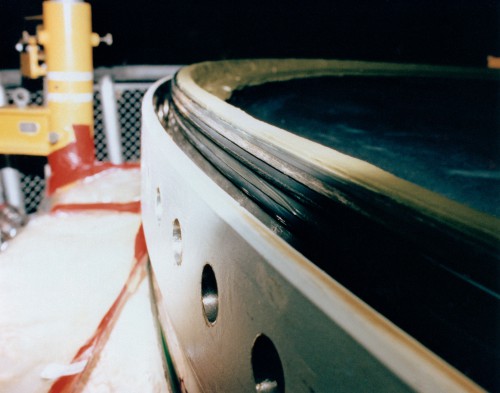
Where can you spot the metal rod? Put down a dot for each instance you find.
(11, 180)
(110, 119)
(3, 102)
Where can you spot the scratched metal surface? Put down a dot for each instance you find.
(370, 238)
(264, 287)
(379, 235)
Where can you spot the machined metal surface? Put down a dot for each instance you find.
(242, 255)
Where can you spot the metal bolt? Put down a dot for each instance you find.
(53, 138)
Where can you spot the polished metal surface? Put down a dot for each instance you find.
(245, 303)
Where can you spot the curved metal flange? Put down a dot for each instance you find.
(228, 205)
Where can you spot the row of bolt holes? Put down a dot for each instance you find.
(266, 364)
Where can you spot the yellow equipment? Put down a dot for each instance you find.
(61, 51)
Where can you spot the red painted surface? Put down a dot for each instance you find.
(128, 207)
(69, 164)
(90, 350)
(77, 160)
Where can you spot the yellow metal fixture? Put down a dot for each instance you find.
(61, 51)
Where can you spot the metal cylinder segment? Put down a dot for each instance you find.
(66, 37)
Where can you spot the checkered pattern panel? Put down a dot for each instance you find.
(129, 112)
(33, 187)
(37, 98)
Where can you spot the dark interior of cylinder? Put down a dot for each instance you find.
(441, 134)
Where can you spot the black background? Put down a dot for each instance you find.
(454, 32)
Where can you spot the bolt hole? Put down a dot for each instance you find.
(177, 242)
(209, 294)
(158, 206)
(266, 366)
